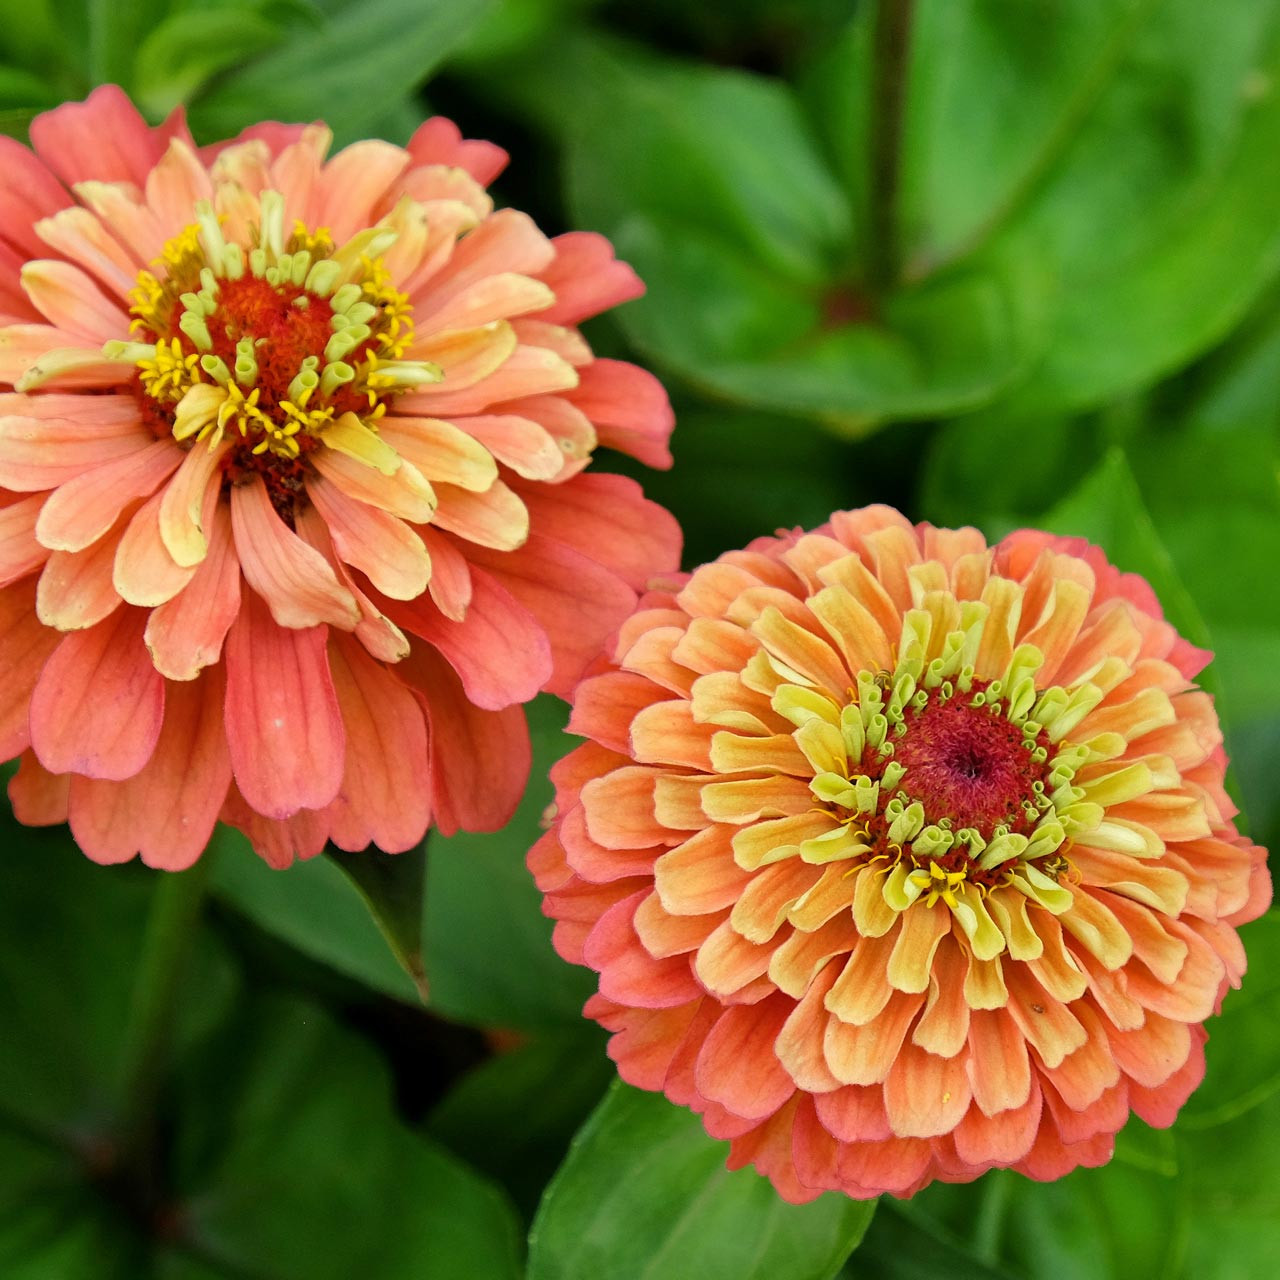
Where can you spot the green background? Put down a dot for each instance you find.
(1038, 286)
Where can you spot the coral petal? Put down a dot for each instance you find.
(284, 726)
(98, 706)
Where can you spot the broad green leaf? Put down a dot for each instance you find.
(279, 1152)
(1243, 1053)
(1107, 509)
(1002, 471)
(512, 1117)
(1159, 217)
(29, 34)
(312, 906)
(21, 89)
(715, 316)
(701, 150)
(115, 28)
(316, 1179)
(998, 93)
(1234, 386)
(1095, 1224)
(644, 1195)
(185, 50)
(369, 52)
(16, 122)
(834, 89)
(514, 28)
(488, 946)
(1214, 493)
(1215, 496)
(905, 1241)
(1230, 1215)
(69, 948)
(392, 885)
(711, 185)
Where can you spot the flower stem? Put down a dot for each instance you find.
(171, 931)
(891, 51)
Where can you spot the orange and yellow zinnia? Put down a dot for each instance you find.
(902, 857)
(294, 508)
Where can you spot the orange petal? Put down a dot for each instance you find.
(924, 1095)
(82, 510)
(284, 726)
(998, 1064)
(292, 577)
(99, 703)
(385, 549)
(185, 634)
(384, 799)
(166, 811)
(699, 875)
(737, 1067)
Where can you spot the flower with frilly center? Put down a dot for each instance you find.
(901, 857)
(294, 508)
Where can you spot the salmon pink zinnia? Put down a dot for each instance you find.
(901, 857)
(292, 502)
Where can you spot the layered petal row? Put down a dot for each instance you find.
(295, 507)
(901, 857)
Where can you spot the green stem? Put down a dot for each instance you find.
(891, 51)
(162, 972)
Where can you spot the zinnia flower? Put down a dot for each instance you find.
(901, 857)
(292, 491)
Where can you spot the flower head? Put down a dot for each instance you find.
(293, 501)
(902, 857)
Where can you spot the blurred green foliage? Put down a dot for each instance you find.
(1054, 303)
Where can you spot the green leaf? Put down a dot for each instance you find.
(1095, 1224)
(392, 886)
(644, 1194)
(513, 1116)
(114, 29)
(367, 54)
(710, 184)
(1214, 494)
(1001, 471)
(1235, 385)
(998, 93)
(280, 1153)
(313, 907)
(71, 939)
(30, 36)
(316, 1179)
(905, 1242)
(488, 946)
(1107, 508)
(1230, 1215)
(21, 89)
(1243, 1054)
(1156, 203)
(187, 48)
(718, 152)
(716, 318)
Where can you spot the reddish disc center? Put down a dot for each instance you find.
(285, 323)
(969, 764)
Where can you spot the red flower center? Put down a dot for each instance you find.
(285, 322)
(972, 765)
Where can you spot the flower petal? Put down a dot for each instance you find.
(98, 706)
(284, 725)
